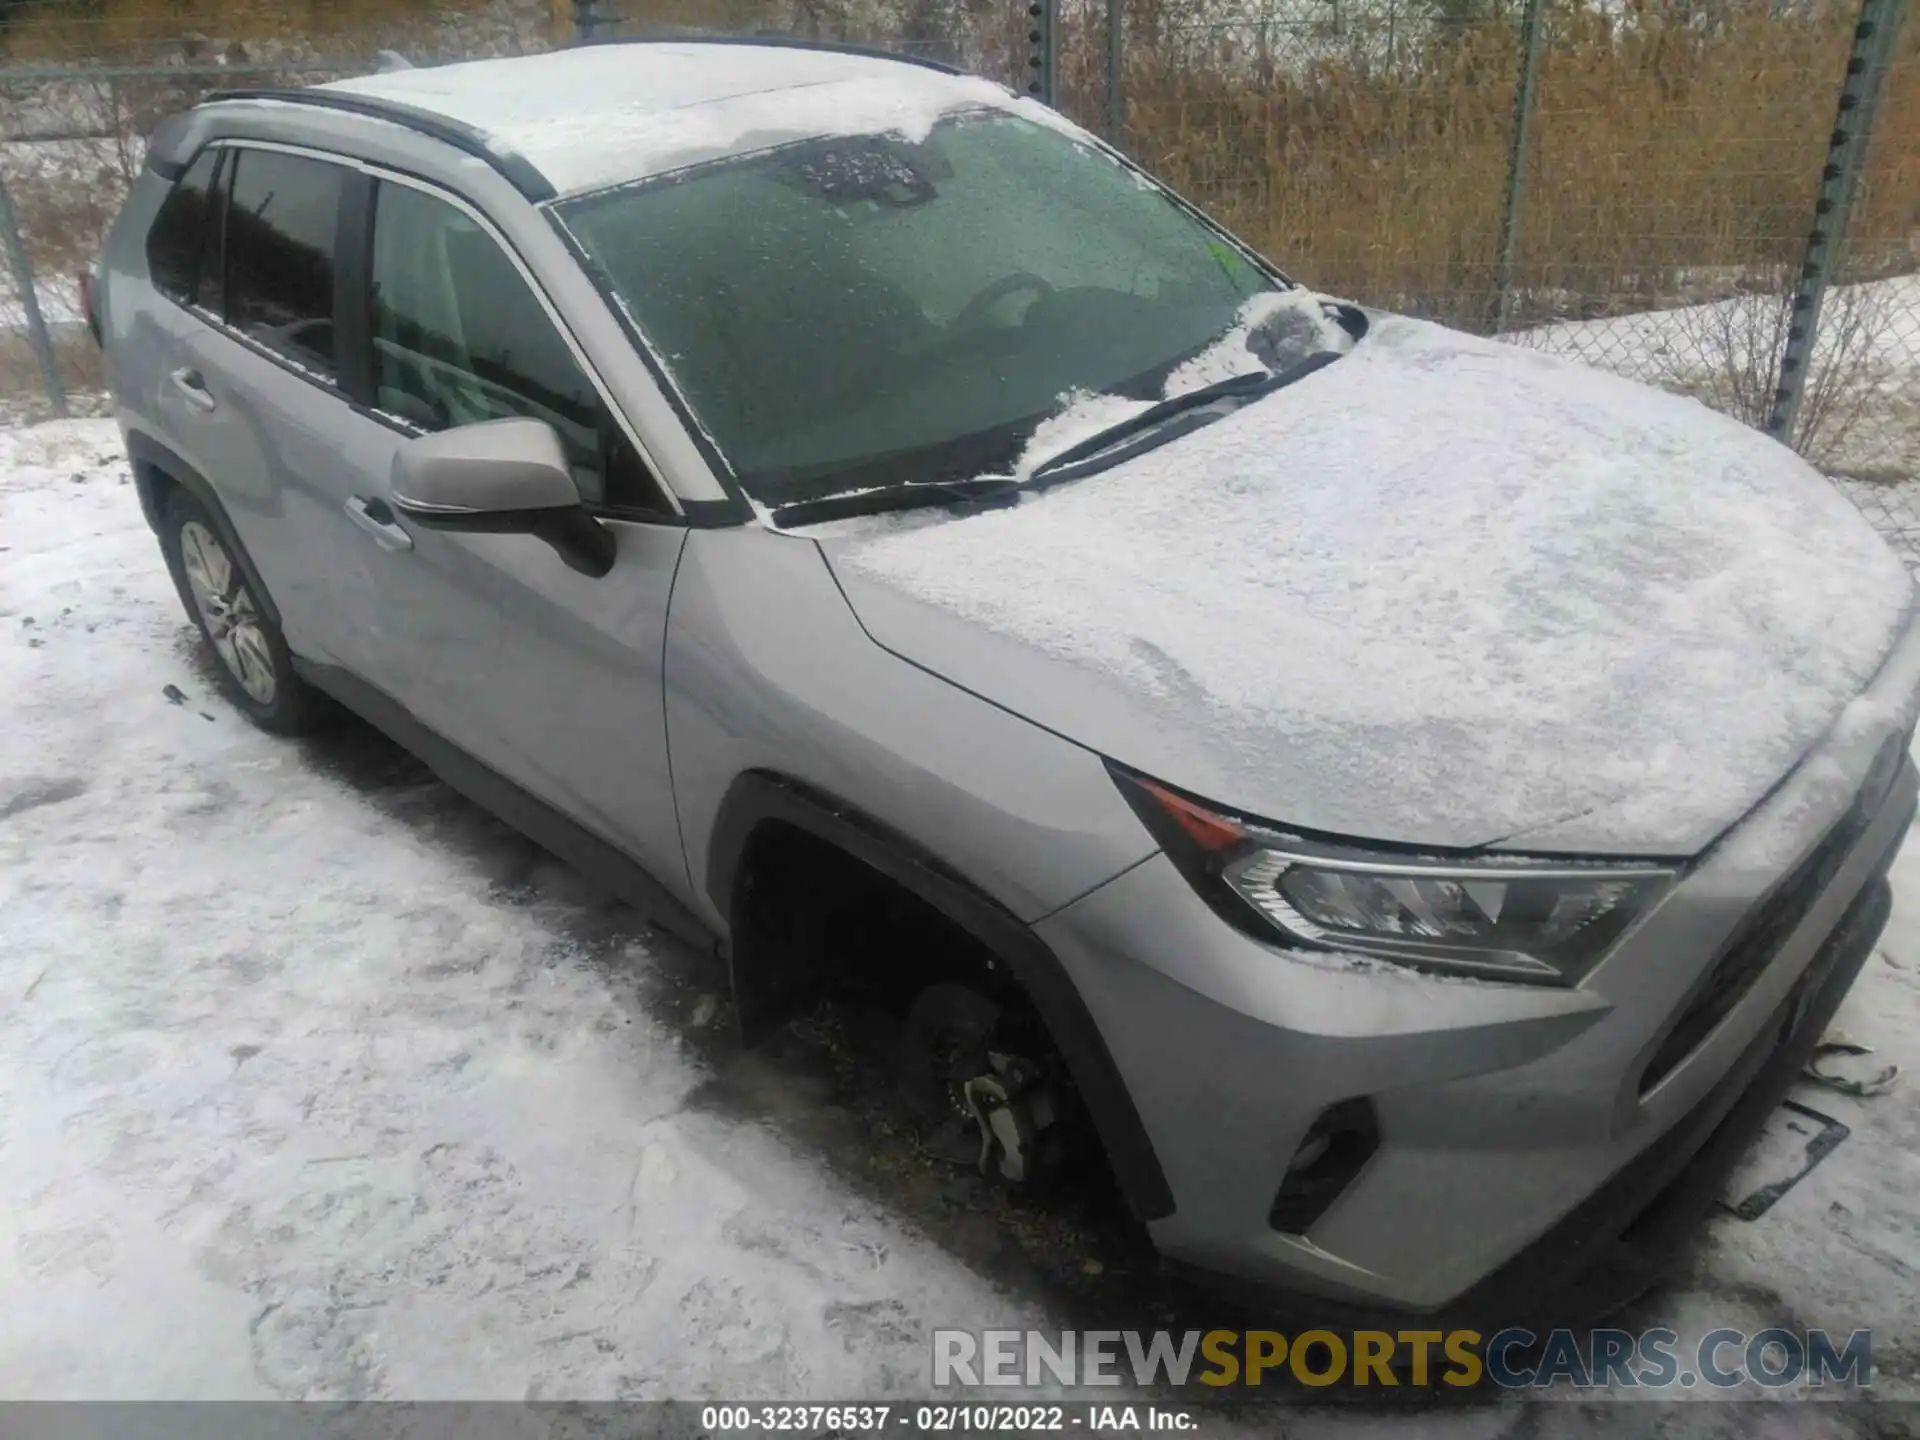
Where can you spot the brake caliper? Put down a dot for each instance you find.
(1013, 1106)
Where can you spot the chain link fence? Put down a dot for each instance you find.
(1631, 183)
(1700, 194)
(84, 82)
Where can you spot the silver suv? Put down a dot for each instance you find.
(1412, 799)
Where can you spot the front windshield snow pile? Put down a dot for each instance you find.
(1275, 331)
(851, 315)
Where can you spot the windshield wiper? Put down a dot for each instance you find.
(909, 495)
(1168, 420)
(1152, 427)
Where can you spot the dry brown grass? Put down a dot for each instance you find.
(1669, 160)
(1661, 155)
(1386, 187)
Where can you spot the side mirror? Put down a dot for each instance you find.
(501, 477)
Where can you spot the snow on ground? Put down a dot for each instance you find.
(278, 1068)
(316, 1082)
(59, 300)
(1653, 342)
(1865, 371)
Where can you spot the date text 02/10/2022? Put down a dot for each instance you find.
(944, 1418)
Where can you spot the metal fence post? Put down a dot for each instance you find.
(1867, 66)
(1043, 61)
(1116, 59)
(37, 335)
(1533, 29)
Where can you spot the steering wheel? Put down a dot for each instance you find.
(975, 310)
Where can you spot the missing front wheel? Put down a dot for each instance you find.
(983, 1103)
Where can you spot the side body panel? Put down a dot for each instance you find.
(265, 445)
(549, 678)
(767, 669)
(546, 677)
(278, 450)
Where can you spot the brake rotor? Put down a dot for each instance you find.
(983, 1107)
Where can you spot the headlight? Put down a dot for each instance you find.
(1498, 916)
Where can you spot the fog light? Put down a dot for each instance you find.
(1335, 1149)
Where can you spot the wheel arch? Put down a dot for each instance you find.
(761, 798)
(158, 469)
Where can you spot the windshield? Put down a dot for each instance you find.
(858, 312)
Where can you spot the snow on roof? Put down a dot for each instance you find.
(601, 114)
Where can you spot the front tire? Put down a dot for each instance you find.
(249, 652)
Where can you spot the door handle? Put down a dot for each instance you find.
(376, 518)
(192, 386)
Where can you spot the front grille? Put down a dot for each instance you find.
(1754, 946)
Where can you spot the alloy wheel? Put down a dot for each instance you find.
(228, 610)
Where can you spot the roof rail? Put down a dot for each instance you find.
(778, 42)
(515, 168)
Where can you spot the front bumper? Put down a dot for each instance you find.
(1619, 1241)
(1534, 1144)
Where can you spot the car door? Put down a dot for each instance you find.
(249, 388)
(547, 676)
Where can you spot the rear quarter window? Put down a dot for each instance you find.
(182, 247)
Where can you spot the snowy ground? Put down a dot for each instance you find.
(302, 1053)
(315, 1081)
(1862, 412)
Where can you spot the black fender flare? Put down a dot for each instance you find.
(148, 456)
(759, 796)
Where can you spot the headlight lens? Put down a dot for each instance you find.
(1495, 916)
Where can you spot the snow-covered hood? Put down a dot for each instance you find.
(1444, 592)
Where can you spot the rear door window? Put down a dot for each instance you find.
(282, 222)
